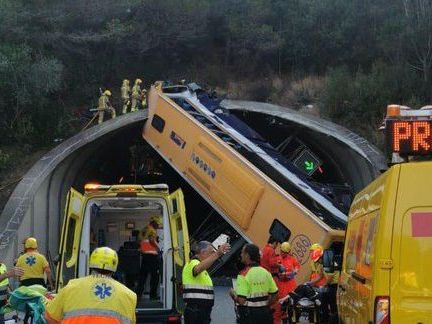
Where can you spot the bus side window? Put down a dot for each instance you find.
(279, 231)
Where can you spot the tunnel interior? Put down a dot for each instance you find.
(124, 157)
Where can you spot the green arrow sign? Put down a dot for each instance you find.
(309, 165)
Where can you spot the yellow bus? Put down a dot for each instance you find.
(203, 149)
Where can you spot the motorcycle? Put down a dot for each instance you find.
(303, 305)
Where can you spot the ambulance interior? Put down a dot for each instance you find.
(117, 222)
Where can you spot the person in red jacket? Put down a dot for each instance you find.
(271, 262)
(269, 257)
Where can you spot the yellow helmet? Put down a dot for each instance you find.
(316, 246)
(104, 258)
(107, 93)
(138, 81)
(285, 247)
(125, 81)
(30, 243)
(156, 219)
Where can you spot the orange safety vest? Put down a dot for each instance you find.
(147, 247)
(316, 272)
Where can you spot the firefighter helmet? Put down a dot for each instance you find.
(107, 93)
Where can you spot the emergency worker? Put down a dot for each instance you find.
(318, 278)
(269, 257)
(4, 283)
(96, 298)
(288, 269)
(149, 258)
(198, 291)
(125, 94)
(104, 105)
(270, 261)
(136, 94)
(256, 290)
(34, 265)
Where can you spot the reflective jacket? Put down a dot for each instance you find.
(197, 289)
(93, 299)
(255, 284)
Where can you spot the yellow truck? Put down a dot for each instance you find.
(387, 264)
(109, 216)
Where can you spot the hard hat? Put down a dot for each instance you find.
(107, 93)
(285, 247)
(104, 258)
(156, 219)
(30, 243)
(125, 81)
(316, 252)
(138, 81)
(316, 246)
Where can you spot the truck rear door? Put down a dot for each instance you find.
(180, 239)
(70, 238)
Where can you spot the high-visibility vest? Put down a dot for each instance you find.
(255, 284)
(197, 289)
(4, 285)
(93, 299)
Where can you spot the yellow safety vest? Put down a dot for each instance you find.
(4, 285)
(255, 284)
(197, 289)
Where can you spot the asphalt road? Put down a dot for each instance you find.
(223, 309)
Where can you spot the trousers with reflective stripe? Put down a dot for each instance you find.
(197, 292)
(81, 316)
(257, 300)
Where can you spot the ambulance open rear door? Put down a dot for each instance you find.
(180, 239)
(70, 238)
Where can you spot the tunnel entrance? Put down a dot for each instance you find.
(125, 158)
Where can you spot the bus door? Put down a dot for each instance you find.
(179, 238)
(70, 238)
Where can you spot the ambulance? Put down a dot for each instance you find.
(113, 215)
(386, 274)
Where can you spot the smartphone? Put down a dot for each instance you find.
(220, 240)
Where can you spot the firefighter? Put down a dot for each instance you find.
(198, 291)
(96, 298)
(136, 94)
(104, 104)
(34, 265)
(256, 290)
(149, 258)
(288, 269)
(125, 94)
(318, 278)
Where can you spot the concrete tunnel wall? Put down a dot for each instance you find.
(36, 205)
